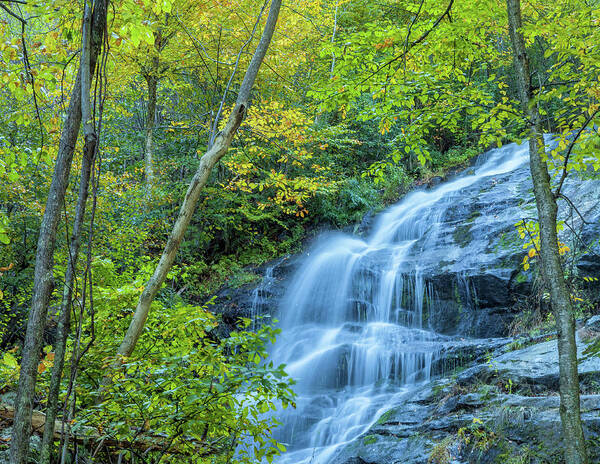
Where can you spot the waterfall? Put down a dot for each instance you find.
(260, 296)
(355, 329)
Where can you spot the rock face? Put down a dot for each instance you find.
(503, 410)
(255, 299)
(471, 262)
(479, 280)
(535, 367)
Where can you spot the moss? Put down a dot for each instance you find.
(440, 453)
(444, 264)
(439, 391)
(460, 307)
(385, 417)
(474, 215)
(487, 392)
(521, 277)
(516, 345)
(462, 235)
(242, 278)
(509, 239)
(370, 439)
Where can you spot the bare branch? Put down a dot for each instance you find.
(411, 45)
(213, 134)
(571, 145)
(14, 15)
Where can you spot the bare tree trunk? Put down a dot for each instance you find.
(43, 277)
(574, 443)
(152, 82)
(89, 152)
(152, 77)
(207, 162)
(65, 312)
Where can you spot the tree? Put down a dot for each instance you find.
(217, 149)
(552, 271)
(43, 281)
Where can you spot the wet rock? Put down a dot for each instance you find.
(426, 421)
(365, 225)
(473, 290)
(376, 449)
(257, 298)
(534, 368)
(437, 180)
(593, 323)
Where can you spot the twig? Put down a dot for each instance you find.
(14, 15)
(412, 44)
(412, 23)
(568, 200)
(571, 145)
(27, 67)
(215, 126)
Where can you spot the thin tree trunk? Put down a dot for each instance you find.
(43, 277)
(574, 443)
(89, 152)
(152, 82)
(152, 78)
(65, 312)
(335, 21)
(207, 162)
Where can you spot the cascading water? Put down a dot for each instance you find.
(353, 335)
(260, 295)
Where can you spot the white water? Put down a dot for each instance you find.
(260, 296)
(352, 320)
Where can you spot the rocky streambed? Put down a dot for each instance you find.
(502, 409)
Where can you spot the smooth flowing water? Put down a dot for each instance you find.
(260, 295)
(353, 335)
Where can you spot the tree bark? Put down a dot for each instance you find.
(552, 271)
(152, 82)
(65, 312)
(43, 277)
(89, 154)
(152, 78)
(207, 162)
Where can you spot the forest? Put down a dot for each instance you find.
(325, 231)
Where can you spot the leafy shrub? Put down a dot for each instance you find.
(203, 395)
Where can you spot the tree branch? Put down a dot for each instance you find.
(213, 134)
(411, 45)
(571, 145)
(14, 15)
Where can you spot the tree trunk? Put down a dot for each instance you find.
(574, 443)
(152, 82)
(43, 277)
(89, 154)
(65, 312)
(207, 162)
(152, 78)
